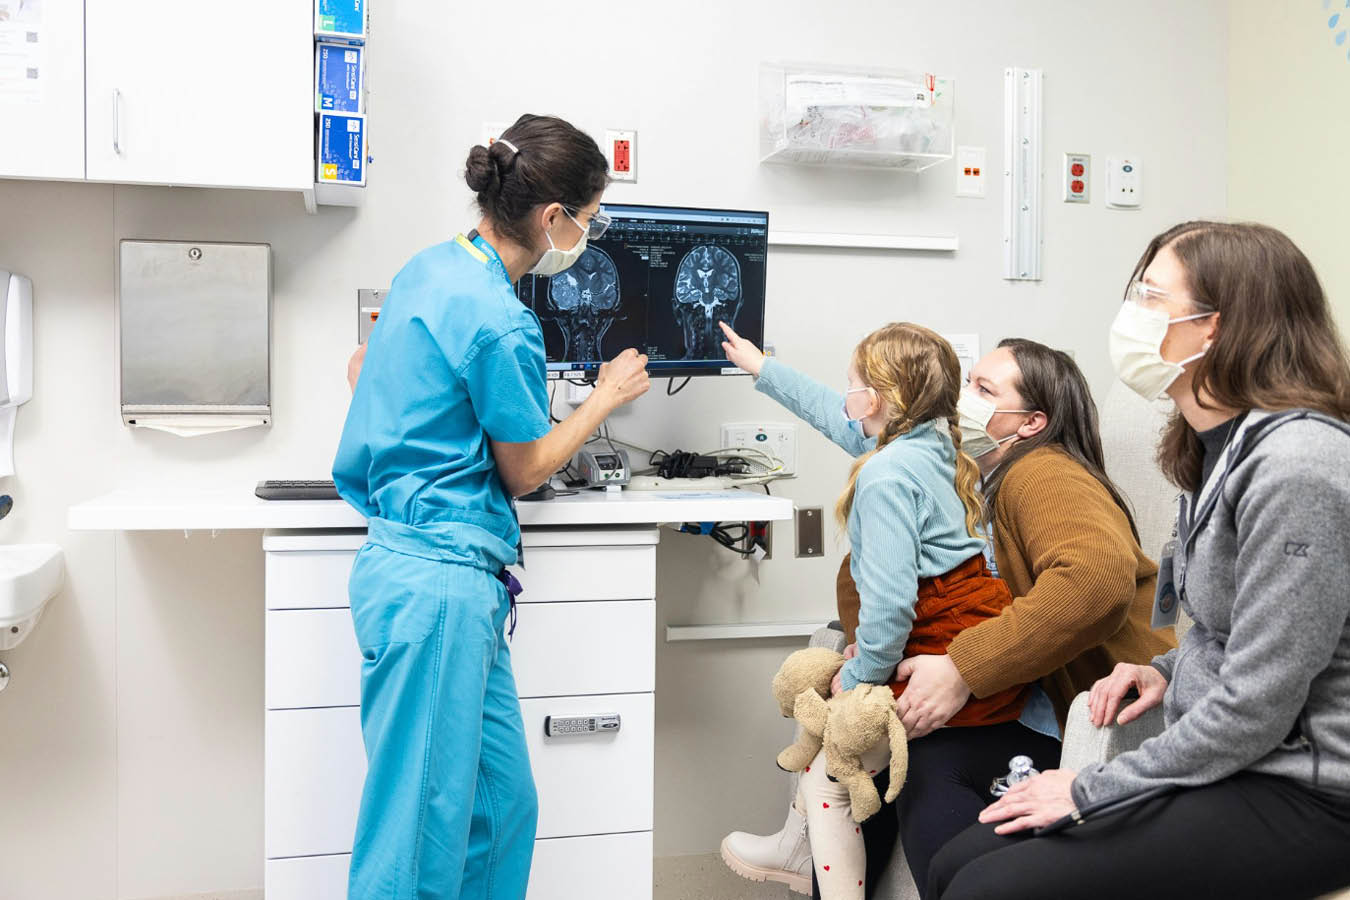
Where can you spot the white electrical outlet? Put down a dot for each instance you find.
(779, 440)
(621, 154)
(576, 393)
(1124, 183)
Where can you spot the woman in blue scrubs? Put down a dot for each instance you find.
(449, 421)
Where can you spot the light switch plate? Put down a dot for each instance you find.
(810, 531)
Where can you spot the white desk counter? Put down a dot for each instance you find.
(169, 509)
(585, 646)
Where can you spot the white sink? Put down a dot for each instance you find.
(30, 576)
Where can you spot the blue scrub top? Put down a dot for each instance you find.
(455, 360)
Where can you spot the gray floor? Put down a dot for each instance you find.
(706, 877)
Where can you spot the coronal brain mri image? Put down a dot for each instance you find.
(707, 290)
(584, 302)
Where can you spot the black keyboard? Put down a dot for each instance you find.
(297, 490)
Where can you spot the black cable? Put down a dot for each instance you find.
(765, 485)
(670, 382)
(551, 395)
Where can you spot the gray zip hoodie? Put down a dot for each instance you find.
(1262, 681)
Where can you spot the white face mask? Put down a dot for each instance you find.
(855, 424)
(554, 260)
(1136, 349)
(974, 413)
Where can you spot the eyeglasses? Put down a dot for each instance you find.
(596, 226)
(1150, 297)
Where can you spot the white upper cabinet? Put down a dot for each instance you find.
(190, 92)
(42, 89)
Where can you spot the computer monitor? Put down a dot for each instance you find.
(660, 280)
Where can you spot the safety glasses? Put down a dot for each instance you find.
(595, 227)
(1150, 297)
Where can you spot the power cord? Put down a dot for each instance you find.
(670, 383)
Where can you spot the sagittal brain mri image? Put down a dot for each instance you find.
(707, 290)
(584, 302)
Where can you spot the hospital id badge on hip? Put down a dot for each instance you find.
(1165, 601)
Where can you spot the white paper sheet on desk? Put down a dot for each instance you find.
(703, 495)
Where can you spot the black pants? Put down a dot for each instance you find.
(947, 786)
(1247, 836)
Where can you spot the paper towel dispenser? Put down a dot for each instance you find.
(194, 319)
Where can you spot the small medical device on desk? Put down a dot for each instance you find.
(601, 466)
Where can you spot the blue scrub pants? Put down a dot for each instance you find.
(449, 807)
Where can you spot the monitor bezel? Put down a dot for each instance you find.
(675, 368)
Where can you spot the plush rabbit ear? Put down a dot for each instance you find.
(899, 755)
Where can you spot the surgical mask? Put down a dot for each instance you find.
(855, 424)
(1136, 349)
(554, 260)
(973, 415)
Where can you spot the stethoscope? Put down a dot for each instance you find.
(1020, 769)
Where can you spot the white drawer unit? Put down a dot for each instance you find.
(560, 574)
(312, 659)
(595, 783)
(604, 867)
(585, 648)
(607, 866)
(585, 645)
(310, 579)
(307, 878)
(587, 784)
(559, 649)
(314, 769)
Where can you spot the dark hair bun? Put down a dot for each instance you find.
(481, 172)
(546, 161)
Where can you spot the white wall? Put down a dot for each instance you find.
(1293, 45)
(133, 727)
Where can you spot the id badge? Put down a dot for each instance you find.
(1165, 602)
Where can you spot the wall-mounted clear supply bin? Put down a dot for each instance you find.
(855, 116)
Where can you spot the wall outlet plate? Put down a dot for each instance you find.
(1124, 182)
(970, 171)
(778, 439)
(1077, 177)
(810, 531)
(621, 153)
(368, 304)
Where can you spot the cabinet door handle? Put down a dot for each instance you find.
(117, 121)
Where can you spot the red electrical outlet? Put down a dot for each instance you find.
(621, 148)
(1076, 166)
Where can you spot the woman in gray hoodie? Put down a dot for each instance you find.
(1246, 793)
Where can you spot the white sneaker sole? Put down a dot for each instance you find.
(800, 884)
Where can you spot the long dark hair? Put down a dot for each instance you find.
(1277, 346)
(553, 162)
(1050, 381)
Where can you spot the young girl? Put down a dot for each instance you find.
(911, 510)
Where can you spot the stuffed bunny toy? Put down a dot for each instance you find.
(846, 726)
